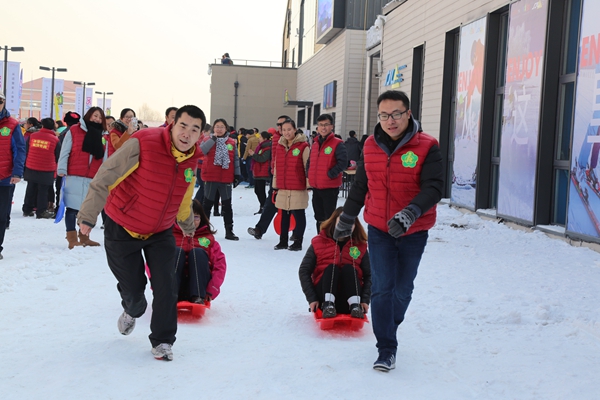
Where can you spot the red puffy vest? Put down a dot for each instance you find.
(289, 166)
(214, 173)
(322, 159)
(262, 169)
(393, 182)
(7, 126)
(81, 163)
(148, 200)
(202, 239)
(328, 252)
(40, 156)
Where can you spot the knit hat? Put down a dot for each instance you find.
(2, 96)
(71, 118)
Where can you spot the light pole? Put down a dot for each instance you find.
(52, 90)
(84, 85)
(104, 94)
(6, 49)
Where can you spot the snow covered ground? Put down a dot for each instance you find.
(496, 314)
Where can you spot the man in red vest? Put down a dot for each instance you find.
(328, 159)
(12, 160)
(146, 187)
(399, 181)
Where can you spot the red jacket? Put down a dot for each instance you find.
(81, 163)
(393, 182)
(41, 154)
(215, 173)
(262, 169)
(216, 259)
(147, 201)
(328, 252)
(290, 166)
(7, 127)
(322, 159)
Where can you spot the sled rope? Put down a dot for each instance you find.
(179, 254)
(355, 275)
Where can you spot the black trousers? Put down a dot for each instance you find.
(300, 217)
(344, 286)
(36, 196)
(124, 256)
(324, 202)
(193, 273)
(259, 191)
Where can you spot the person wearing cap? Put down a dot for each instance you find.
(12, 162)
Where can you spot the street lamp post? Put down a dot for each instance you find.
(52, 90)
(84, 85)
(6, 49)
(104, 94)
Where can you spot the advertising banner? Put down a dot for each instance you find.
(89, 93)
(522, 102)
(108, 105)
(468, 112)
(13, 86)
(79, 100)
(46, 105)
(584, 191)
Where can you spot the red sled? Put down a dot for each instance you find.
(189, 312)
(341, 322)
(277, 222)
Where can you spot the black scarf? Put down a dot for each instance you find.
(92, 142)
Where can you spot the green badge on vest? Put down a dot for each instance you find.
(103, 141)
(204, 242)
(295, 152)
(189, 174)
(5, 131)
(409, 160)
(229, 147)
(354, 252)
(328, 150)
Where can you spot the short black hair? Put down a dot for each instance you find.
(284, 117)
(48, 123)
(324, 117)
(125, 111)
(395, 95)
(169, 110)
(193, 112)
(289, 121)
(265, 135)
(352, 133)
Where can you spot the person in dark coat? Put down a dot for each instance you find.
(353, 147)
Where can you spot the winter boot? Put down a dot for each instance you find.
(281, 246)
(296, 246)
(329, 309)
(356, 311)
(196, 300)
(229, 235)
(85, 240)
(72, 239)
(255, 232)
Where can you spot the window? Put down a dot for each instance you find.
(416, 86)
(317, 108)
(301, 118)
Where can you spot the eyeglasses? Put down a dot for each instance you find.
(395, 116)
(324, 125)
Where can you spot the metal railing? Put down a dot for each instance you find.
(259, 63)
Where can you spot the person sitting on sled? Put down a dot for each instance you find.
(200, 264)
(337, 274)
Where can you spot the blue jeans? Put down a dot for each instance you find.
(394, 264)
(71, 219)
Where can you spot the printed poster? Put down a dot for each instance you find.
(13, 88)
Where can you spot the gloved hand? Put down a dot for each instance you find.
(236, 181)
(344, 226)
(402, 221)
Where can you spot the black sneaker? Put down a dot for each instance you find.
(356, 311)
(385, 362)
(328, 309)
(29, 214)
(255, 232)
(281, 246)
(296, 246)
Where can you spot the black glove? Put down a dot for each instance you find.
(344, 226)
(236, 181)
(402, 221)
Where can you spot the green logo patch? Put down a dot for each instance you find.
(354, 252)
(189, 174)
(295, 152)
(328, 150)
(204, 242)
(409, 160)
(103, 141)
(5, 131)
(229, 147)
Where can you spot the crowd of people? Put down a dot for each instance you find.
(94, 165)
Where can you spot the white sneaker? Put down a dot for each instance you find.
(126, 323)
(163, 352)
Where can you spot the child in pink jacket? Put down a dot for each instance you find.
(200, 263)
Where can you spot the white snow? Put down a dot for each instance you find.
(496, 314)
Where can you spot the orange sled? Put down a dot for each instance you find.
(341, 322)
